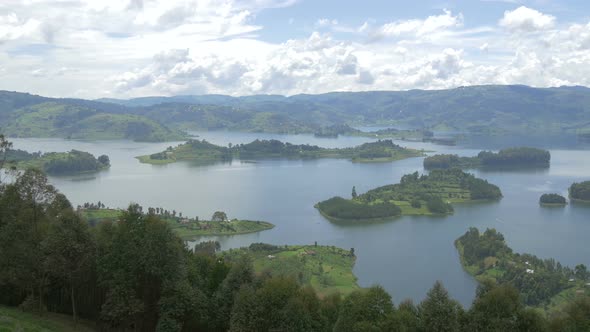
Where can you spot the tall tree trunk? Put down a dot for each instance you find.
(74, 305)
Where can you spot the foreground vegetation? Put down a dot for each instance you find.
(415, 195)
(136, 274)
(56, 163)
(327, 269)
(185, 228)
(580, 191)
(543, 284)
(203, 152)
(12, 319)
(508, 158)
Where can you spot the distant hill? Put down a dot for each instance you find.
(492, 109)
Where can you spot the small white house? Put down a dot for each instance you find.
(527, 263)
(572, 280)
(271, 257)
(530, 271)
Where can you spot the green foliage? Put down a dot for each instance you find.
(205, 152)
(57, 163)
(580, 191)
(435, 191)
(438, 312)
(538, 281)
(340, 208)
(364, 310)
(512, 157)
(552, 199)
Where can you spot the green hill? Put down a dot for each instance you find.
(59, 119)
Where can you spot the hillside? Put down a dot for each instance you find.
(492, 109)
(73, 120)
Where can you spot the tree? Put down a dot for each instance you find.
(354, 195)
(581, 272)
(438, 312)
(5, 145)
(69, 249)
(104, 159)
(363, 310)
(219, 216)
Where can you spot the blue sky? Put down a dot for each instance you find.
(131, 48)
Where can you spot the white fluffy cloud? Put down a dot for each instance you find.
(526, 19)
(135, 48)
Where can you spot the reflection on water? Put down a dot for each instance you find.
(405, 255)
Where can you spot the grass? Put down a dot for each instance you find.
(187, 229)
(12, 319)
(327, 269)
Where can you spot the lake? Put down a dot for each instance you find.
(406, 256)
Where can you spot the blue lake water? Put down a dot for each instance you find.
(406, 256)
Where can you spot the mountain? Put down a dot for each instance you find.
(491, 109)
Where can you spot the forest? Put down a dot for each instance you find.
(512, 157)
(55, 163)
(552, 199)
(580, 191)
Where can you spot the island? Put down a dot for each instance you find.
(522, 157)
(185, 228)
(56, 163)
(543, 283)
(327, 269)
(580, 192)
(203, 152)
(552, 200)
(416, 194)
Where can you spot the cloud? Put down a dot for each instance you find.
(417, 27)
(526, 19)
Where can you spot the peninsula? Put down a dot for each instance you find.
(327, 269)
(56, 163)
(543, 283)
(201, 151)
(416, 194)
(185, 228)
(522, 157)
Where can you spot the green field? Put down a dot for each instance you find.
(187, 228)
(12, 319)
(327, 269)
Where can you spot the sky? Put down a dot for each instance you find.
(133, 48)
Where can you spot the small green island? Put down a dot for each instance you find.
(186, 228)
(56, 163)
(327, 269)
(543, 284)
(411, 135)
(203, 152)
(416, 194)
(580, 192)
(552, 200)
(522, 157)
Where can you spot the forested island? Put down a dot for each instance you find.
(135, 273)
(552, 200)
(185, 227)
(580, 192)
(55, 163)
(522, 157)
(543, 284)
(201, 151)
(416, 194)
(327, 269)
